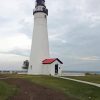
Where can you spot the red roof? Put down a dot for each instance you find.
(49, 61)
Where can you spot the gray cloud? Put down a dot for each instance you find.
(22, 52)
(73, 28)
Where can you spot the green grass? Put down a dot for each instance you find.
(70, 88)
(6, 90)
(89, 78)
(73, 89)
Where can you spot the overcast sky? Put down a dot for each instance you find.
(73, 28)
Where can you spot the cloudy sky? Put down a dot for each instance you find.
(73, 28)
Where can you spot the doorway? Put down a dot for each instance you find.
(56, 69)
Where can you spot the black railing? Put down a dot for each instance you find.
(43, 10)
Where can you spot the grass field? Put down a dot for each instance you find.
(73, 89)
(6, 90)
(89, 78)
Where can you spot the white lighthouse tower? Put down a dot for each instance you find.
(40, 45)
(40, 62)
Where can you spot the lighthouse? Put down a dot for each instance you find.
(40, 45)
(40, 62)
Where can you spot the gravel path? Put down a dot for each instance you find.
(85, 82)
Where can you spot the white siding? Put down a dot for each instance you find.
(40, 45)
(49, 69)
(46, 69)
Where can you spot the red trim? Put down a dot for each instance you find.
(49, 61)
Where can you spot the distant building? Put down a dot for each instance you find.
(13, 71)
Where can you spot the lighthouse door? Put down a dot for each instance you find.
(56, 69)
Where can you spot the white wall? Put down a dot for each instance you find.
(53, 68)
(49, 69)
(40, 45)
(46, 69)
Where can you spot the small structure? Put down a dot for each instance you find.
(52, 66)
(13, 71)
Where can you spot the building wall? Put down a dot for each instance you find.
(46, 69)
(53, 68)
(40, 45)
(49, 69)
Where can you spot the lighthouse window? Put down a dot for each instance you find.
(45, 16)
(31, 66)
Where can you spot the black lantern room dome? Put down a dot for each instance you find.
(40, 2)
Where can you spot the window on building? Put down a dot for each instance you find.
(45, 16)
(31, 66)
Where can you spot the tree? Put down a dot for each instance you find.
(25, 64)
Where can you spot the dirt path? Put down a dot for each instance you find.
(30, 91)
